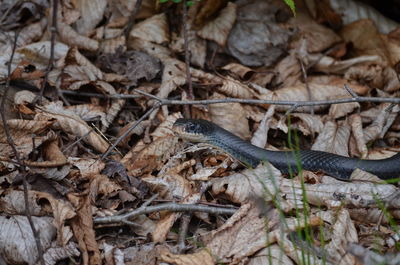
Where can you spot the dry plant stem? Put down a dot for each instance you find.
(295, 103)
(184, 227)
(185, 220)
(50, 65)
(173, 207)
(351, 92)
(187, 57)
(131, 20)
(156, 106)
(303, 70)
(17, 157)
(96, 95)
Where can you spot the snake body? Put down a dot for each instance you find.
(334, 165)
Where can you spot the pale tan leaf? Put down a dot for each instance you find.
(334, 138)
(218, 29)
(72, 38)
(381, 124)
(173, 76)
(22, 132)
(318, 37)
(308, 124)
(343, 233)
(154, 29)
(300, 93)
(230, 116)
(246, 225)
(338, 193)
(203, 257)
(197, 48)
(12, 202)
(52, 155)
(145, 157)
(56, 254)
(163, 226)
(84, 233)
(329, 65)
(273, 254)
(351, 11)
(357, 130)
(89, 168)
(17, 241)
(62, 211)
(288, 71)
(236, 89)
(260, 136)
(102, 185)
(366, 40)
(249, 183)
(340, 110)
(240, 70)
(73, 124)
(91, 14)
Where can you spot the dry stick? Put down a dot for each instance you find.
(187, 58)
(50, 65)
(185, 220)
(156, 106)
(85, 94)
(172, 207)
(294, 105)
(303, 70)
(16, 154)
(131, 20)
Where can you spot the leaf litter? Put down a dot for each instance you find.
(103, 80)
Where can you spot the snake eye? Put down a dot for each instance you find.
(191, 127)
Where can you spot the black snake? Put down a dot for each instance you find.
(334, 165)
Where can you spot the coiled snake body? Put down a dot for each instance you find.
(334, 165)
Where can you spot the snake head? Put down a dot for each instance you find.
(193, 130)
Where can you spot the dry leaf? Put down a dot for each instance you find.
(91, 14)
(262, 182)
(334, 138)
(203, 257)
(231, 117)
(17, 241)
(73, 124)
(218, 29)
(154, 29)
(318, 37)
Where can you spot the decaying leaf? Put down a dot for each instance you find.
(218, 29)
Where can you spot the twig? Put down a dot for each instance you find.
(303, 70)
(131, 20)
(10, 141)
(172, 207)
(50, 65)
(187, 58)
(96, 95)
(156, 106)
(278, 102)
(185, 221)
(351, 92)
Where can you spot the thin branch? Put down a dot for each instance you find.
(351, 92)
(50, 65)
(156, 106)
(279, 102)
(172, 207)
(132, 18)
(96, 95)
(303, 70)
(187, 57)
(11, 142)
